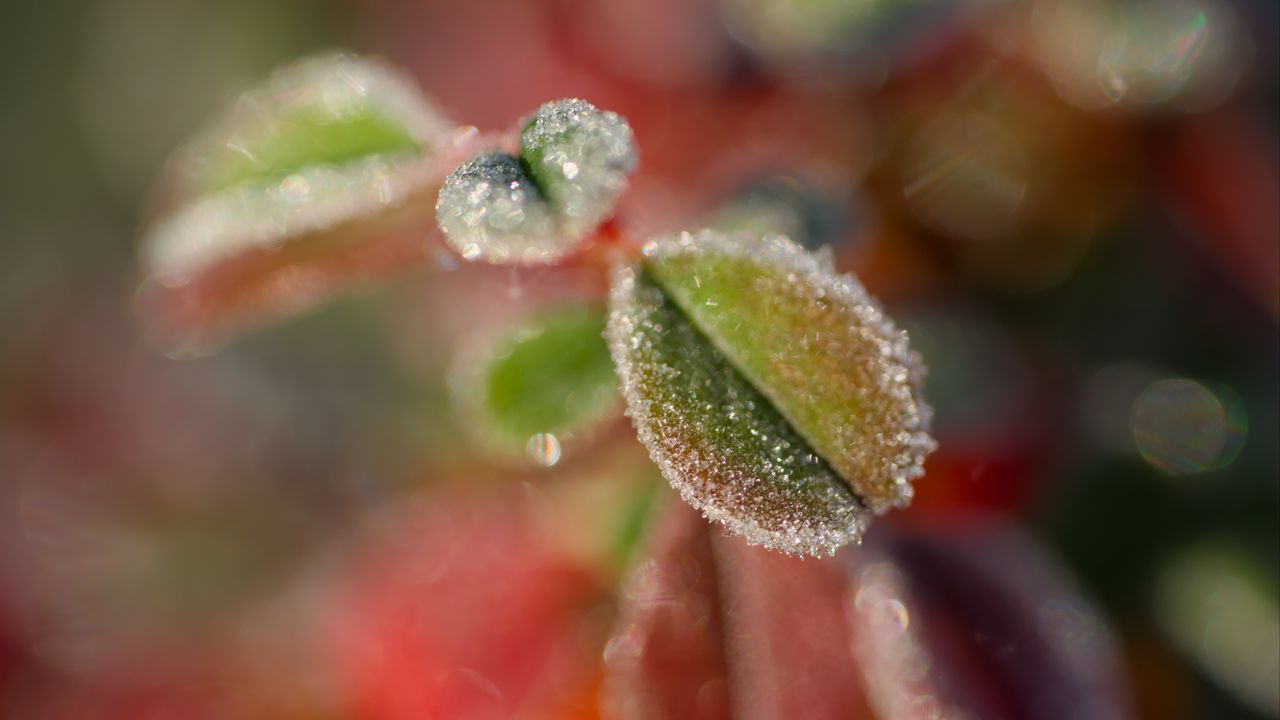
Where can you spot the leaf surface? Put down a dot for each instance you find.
(548, 376)
(814, 344)
(715, 437)
(311, 181)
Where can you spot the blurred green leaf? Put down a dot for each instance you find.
(321, 142)
(550, 376)
(307, 136)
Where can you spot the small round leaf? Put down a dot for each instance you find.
(581, 157)
(489, 209)
(542, 383)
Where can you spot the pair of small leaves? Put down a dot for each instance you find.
(572, 166)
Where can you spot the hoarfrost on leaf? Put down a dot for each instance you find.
(812, 342)
(323, 141)
(716, 438)
(573, 164)
(580, 156)
(489, 209)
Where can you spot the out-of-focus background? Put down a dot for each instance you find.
(1072, 206)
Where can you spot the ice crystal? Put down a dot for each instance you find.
(580, 156)
(489, 209)
(323, 141)
(814, 344)
(717, 439)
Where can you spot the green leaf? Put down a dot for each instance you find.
(322, 142)
(580, 157)
(717, 439)
(811, 342)
(489, 209)
(772, 392)
(304, 136)
(544, 382)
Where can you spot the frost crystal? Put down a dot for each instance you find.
(489, 209)
(715, 437)
(812, 342)
(580, 156)
(321, 142)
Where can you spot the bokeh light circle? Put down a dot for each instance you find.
(1181, 427)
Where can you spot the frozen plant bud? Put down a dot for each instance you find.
(489, 209)
(580, 156)
(574, 162)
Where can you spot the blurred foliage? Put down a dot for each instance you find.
(173, 533)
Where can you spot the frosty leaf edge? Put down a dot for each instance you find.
(716, 439)
(815, 344)
(320, 142)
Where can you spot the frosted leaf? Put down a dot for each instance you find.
(718, 441)
(812, 342)
(489, 209)
(320, 142)
(580, 156)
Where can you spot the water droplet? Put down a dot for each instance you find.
(544, 449)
